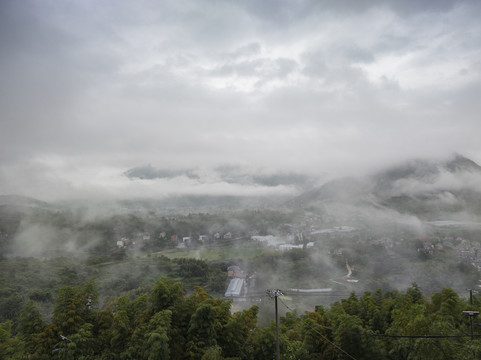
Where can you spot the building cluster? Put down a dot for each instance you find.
(469, 252)
(138, 238)
(190, 241)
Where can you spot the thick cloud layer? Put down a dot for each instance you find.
(91, 89)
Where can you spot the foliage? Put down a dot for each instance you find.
(162, 323)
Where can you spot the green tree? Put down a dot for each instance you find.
(315, 330)
(157, 339)
(202, 332)
(120, 331)
(69, 309)
(238, 333)
(353, 338)
(213, 353)
(31, 321)
(10, 347)
(166, 294)
(82, 344)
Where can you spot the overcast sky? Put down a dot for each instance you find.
(92, 88)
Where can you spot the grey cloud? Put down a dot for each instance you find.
(288, 12)
(356, 54)
(284, 179)
(99, 86)
(149, 172)
(248, 50)
(444, 182)
(238, 174)
(262, 68)
(43, 68)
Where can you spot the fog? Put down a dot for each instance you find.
(304, 90)
(133, 119)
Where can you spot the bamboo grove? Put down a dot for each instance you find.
(165, 323)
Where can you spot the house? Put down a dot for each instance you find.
(236, 288)
(124, 242)
(235, 271)
(187, 240)
(269, 240)
(181, 246)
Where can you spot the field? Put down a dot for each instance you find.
(217, 252)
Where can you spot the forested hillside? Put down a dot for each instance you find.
(164, 323)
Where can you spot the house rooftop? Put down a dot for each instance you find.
(235, 287)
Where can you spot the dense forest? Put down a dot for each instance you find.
(164, 323)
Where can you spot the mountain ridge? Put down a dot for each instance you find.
(419, 187)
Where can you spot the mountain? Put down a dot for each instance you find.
(22, 202)
(148, 172)
(429, 189)
(229, 174)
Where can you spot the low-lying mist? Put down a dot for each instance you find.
(416, 223)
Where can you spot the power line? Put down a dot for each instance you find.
(289, 308)
(321, 335)
(422, 336)
(318, 294)
(337, 347)
(280, 293)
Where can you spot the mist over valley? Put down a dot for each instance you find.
(417, 221)
(240, 180)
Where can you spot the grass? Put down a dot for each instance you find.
(245, 250)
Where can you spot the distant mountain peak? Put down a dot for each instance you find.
(462, 163)
(148, 172)
(427, 169)
(423, 186)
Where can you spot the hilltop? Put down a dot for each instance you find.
(430, 189)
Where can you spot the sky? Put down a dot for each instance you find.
(204, 94)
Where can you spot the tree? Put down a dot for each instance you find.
(213, 353)
(46, 340)
(315, 329)
(166, 294)
(238, 333)
(202, 330)
(120, 332)
(10, 348)
(353, 338)
(82, 344)
(69, 309)
(157, 339)
(31, 322)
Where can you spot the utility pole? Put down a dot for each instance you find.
(471, 314)
(65, 339)
(275, 294)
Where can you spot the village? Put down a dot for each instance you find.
(340, 239)
(467, 251)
